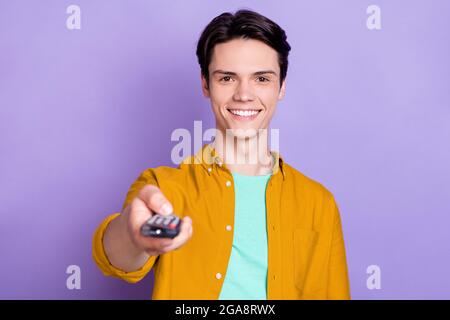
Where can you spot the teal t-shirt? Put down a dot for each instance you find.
(246, 276)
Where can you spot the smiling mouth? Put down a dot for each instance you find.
(250, 113)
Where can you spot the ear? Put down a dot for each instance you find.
(205, 89)
(282, 90)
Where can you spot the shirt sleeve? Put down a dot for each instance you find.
(155, 176)
(338, 280)
(106, 267)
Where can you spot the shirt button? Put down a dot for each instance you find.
(228, 227)
(228, 183)
(209, 169)
(218, 275)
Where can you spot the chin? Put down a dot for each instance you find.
(243, 132)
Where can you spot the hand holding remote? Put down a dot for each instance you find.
(147, 214)
(160, 226)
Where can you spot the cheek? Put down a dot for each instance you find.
(267, 90)
(217, 101)
(268, 97)
(220, 94)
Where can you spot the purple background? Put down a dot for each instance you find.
(83, 112)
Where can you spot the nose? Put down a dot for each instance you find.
(243, 92)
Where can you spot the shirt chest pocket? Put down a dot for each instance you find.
(305, 242)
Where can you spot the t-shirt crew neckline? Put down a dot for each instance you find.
(251, 176)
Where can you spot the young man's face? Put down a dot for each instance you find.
(244, 85)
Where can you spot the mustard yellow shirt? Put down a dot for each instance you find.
(306, 250)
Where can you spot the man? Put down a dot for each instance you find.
(263, 230)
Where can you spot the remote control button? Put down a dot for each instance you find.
(152, 219)
(172, 225)
(167, 221)
(159, 220)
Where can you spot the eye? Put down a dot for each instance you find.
(225, 79)
(263, 79)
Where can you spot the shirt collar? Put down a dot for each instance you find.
(207, 157)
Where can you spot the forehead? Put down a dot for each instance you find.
(244, 56)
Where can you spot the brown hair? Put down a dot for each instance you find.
(243, 24)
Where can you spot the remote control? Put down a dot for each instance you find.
(160, 226)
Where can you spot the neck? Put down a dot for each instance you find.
(247, 155)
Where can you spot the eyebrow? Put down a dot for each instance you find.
(257, 73)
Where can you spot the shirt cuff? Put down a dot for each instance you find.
(103, 263)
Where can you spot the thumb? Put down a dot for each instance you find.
(166, 208)
(155, 200)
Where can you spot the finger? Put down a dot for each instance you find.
(140, 211)
(157, 246)
(155, 200)
(139, 214)
(185, 234)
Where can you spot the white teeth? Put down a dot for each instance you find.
(246, 113)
